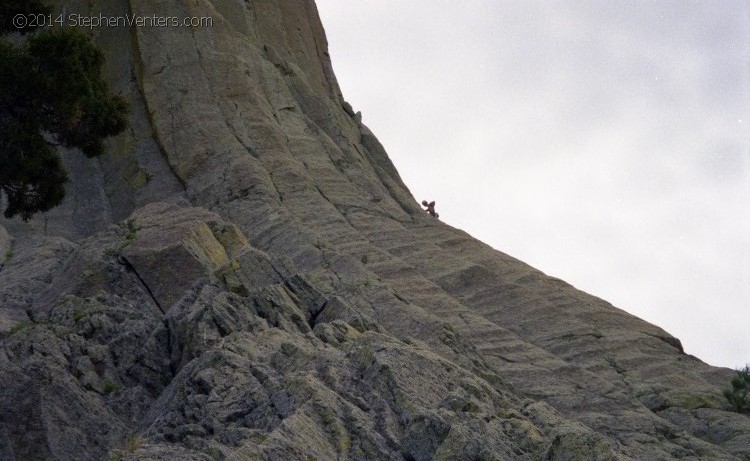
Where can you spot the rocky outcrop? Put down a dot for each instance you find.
(244, 275)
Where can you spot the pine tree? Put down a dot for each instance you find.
(51, 93)
(738, 396)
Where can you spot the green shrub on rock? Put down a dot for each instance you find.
(738, 396)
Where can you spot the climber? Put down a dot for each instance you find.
(430, 208)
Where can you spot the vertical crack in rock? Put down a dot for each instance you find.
(124, 261)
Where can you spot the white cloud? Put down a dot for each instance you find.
(598, 141)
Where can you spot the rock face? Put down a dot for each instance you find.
(244, 276)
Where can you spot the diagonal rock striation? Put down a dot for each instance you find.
(244, 275)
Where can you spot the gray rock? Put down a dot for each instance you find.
(5, 245)
(163, 237)
(244, 275)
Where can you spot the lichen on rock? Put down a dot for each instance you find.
(244, 275)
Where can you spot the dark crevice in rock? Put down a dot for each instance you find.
(124, 261)
(314, 317)
(312, 300)
(138, 69)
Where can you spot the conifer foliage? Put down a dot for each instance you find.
(51, 93)
(738, 396)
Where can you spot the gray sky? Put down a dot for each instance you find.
(605, 143)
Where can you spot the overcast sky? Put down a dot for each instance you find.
(605, 143)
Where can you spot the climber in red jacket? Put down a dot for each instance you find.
(430, 208)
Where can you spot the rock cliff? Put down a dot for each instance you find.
(245, 276)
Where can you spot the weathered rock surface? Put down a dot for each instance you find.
(245, 276)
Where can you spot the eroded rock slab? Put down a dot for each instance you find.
(172, 249)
